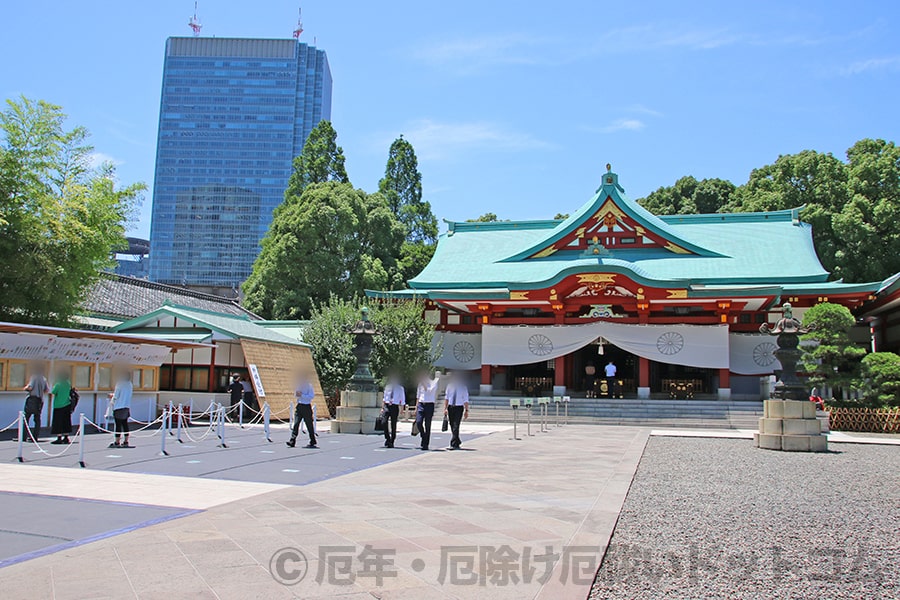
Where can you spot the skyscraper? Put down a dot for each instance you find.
(233, 115)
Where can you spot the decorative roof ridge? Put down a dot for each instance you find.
(454, 226)
(610, 190)
(789, 214)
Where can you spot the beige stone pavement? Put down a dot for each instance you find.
(559, 489)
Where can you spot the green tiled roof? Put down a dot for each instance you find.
(772, 248)
(224, 324)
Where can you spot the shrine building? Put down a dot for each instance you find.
(675, 302)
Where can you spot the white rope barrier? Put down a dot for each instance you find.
(11, 425)
(41, 450)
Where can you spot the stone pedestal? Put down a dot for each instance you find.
(792, 426)
(357, 412)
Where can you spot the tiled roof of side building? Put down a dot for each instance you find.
(125, 298)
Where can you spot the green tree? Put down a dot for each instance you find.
(880, 374)
(402, 188)
(812, 179)
(331, 240)
(689, 196)
(332, 346)
(834, 359)
(404, 342)
(485, 218)
(60, 218)
(867, 246)
(321, 160)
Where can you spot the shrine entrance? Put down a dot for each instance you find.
(590, 356)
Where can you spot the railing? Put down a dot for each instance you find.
(871, 420)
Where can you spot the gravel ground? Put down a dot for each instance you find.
(718, 518)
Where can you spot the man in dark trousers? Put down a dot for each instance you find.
(425, 397)
(304, 394)
(394, 400)
(456, 407)
(236, 390)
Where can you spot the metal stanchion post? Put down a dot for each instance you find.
(222, 426)
(81, 439)
(191, 409)
(291, 417)
(266, 416)
(241, 413)
(171, 410)
(21, 457)
(566, 402)
(528, 404)
(180, 417)
(514, 403)
(556, 401)
(162, 437)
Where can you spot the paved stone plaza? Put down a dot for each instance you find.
(500, 519)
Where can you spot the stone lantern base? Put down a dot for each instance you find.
(792, 426)
(357, 412)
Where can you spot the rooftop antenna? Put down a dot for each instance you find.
(299, 29)
(194, 23)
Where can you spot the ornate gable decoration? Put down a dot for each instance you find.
(611, 222)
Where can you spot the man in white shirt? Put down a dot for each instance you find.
(304, 394)
(456, 406)
(426, 393)
(394, 400)
(610, 370)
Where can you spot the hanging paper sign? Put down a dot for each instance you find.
(257, 382)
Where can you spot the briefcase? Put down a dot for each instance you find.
(380, 422)
(445, 425)
(415, 428)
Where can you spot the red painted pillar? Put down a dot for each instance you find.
(559, 371)
(724, 391)
(643, 390)
(485, 374)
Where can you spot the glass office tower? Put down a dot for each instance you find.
(233, 115)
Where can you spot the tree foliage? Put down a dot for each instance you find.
(485, 218)
(812, 179)
(689, 196)
(321, 160)
(332, 346)
(60, 217)
(853, 206)
(880, 374)
(834, 359)
(331, 240)
(402, 188)
(403, 342)
(867, 239)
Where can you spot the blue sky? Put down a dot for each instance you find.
(513, 107)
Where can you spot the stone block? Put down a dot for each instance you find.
(793, 409)
(824, 420)
(770, 426)
(368, 427)
(795, 443)
(351, 426)
(349, 413)
(359, 399)
(774, 409)
(809, 410)
(335, 426)
(801, 427)
(370, 414)
(818, 443)
(770, 442)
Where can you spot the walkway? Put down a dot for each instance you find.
(527, 516)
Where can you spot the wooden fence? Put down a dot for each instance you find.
(872, 420)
